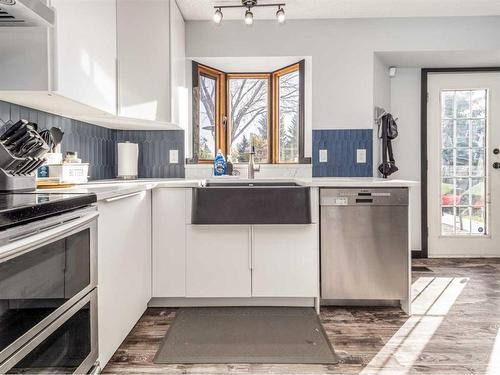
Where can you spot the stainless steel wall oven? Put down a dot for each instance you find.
(48, 297)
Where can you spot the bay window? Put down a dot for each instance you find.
(233, 111)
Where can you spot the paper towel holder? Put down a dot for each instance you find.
(128, 160)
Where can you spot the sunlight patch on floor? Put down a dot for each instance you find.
(432, 299)
(494, 363)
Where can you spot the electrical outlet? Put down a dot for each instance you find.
(361, 156)
(323, 156)
(173, 157)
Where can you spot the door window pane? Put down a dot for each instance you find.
(463, 167)
(462, 191)
(477, 162)
(462, 162)
(448, 133)
(462, 220)
(447, 163)
(289, 118)
(478, 221)
(208, 113)
(448, 220)
(478, 103)
(448, 192)
(478, 133)
(248, 117)
(462, 104)
(462, 133)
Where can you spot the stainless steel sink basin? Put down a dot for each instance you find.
(251, 202)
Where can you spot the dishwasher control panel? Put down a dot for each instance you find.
(373, 196)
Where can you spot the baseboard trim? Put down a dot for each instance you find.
(212, 302)
(462, 256)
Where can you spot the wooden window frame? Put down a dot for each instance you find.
(266, 76)
(220, 110)
(222, 126)
(276, 105)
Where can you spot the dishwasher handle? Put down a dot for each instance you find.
(364, 197)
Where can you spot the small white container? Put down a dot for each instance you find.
(53, 158)
(70, 173)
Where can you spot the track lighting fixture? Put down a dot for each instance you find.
(249, 4)
(280, 15)
(249, 17)
(218, 16)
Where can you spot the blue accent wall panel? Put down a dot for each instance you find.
(97, 145)
(342, 145)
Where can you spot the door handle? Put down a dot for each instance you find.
(496, 165)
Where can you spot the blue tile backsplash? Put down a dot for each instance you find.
(97, 145)
(154, 150)
(342, 145)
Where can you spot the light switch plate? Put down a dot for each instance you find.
(173, 157)
(323, 156)
(361, 155)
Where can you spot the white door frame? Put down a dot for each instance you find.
(424, 253)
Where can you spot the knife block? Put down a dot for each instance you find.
(9, 182)
(15, 172)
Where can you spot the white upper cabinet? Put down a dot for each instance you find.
(85, 46)
(113, 63)
(143, 59)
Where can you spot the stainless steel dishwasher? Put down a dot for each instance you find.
(364, 246)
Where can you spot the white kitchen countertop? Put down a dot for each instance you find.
(105, 189)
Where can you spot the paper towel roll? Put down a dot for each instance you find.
(128, 158)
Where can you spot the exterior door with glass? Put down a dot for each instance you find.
(463, 190)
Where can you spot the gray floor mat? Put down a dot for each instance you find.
(246, 335)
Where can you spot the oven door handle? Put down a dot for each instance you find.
(35, 240)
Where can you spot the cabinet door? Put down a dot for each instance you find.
(86, 52)
(169, 242)
(124, 268)
(218, 261)
(285, 261)
(143, 59)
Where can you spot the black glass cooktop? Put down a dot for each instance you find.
(21, 208)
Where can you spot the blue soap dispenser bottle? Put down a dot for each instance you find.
(219, 164)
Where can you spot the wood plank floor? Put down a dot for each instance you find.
(455, 329)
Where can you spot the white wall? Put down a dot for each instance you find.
(405, 105)
(342, 52)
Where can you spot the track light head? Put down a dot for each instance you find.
(249, 17)
(218, 16)
(280, 15)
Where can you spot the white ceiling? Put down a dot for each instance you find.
(303, 9)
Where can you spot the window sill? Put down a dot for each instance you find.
(304, 163)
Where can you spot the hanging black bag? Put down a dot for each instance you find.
(389, 132)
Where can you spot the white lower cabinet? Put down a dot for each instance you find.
(285, 261)
(218, 261)
(124, 267)
(169, 242)
(228, 261)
